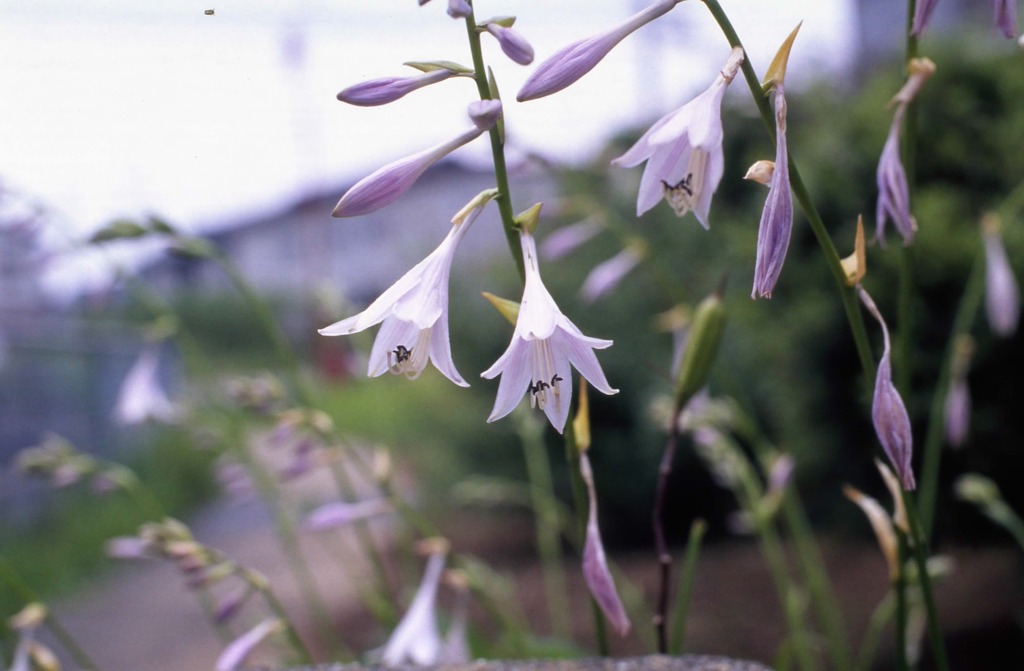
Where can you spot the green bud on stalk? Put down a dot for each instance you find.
(702, 347)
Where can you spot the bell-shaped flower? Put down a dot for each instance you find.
(416, 639)
(236, 652)
(512, 43)
(543, 347)
(1002, 296)
(606, 275)
(385, 185)
(413, 313)
(777, 217)
(579, 58)
(389, 89)
(595, 565)
(888, 413)
(141, 398)
(1006, 17)
(922, 16)
(683, 150)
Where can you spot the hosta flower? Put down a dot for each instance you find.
(777, 217)
(413, 314)
(389, 89)
(595, 566)
(236, 652)
(459, 9)
(683, 151)
(922, 16)
(606, 275)
(1002, 297)
(568, 238)
(888, 413)
(385, 185)
(579, 58)
(416, 639)
(543, 347)
(141, 398)
(1006, 17)
(512, 43)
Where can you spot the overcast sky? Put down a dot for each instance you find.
(121, 107)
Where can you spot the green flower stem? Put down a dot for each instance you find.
(905, 284)
(920, 553)
(276, 607)
(545, 513)
(899, 589)
(504, 198)
(66, 640)
(687, 577)
(849, 298)
(869, 645)
(658, 521)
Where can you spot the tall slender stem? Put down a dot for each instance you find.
(660, 544)
(899, 588)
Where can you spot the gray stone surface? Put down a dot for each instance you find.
(651, 663)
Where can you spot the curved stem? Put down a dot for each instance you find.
(832, 259)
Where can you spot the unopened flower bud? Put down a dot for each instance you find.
(484, 113)
(508, 309)
(855, 266)
(459, 9)
(701, 347)
(512, 43)
(1002, 296)
(389, 89)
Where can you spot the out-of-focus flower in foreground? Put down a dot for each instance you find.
(889, 414)
(141, 398)
(236, 652)
(922, 16)
(543, 347)
(341, 513)
(579, 58)
(1002, 296)
(389, 89)
(893, 191)
(606, 275)
(385, 185)
(683, 150)
(513, 44)
(414, 311)
(957, 410)
(416, 639)
(1006, 17)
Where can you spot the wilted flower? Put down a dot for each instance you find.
(579, 58)
(512, 43)
(893, 191)
(761, 172)
(389, 89)
(595, 566)
(385, 185)
(922, 16)
(1006, 17)
(892, 423)
(141, 398)
(777, 217)
(1002, 297)
(416, 639)
(881, 524)
(238, 650)
(606, 275)
(414, 312)
(543, 346)
(683, 150)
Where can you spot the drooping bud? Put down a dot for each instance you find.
(701, 347)
(776, 225)
(606, 275)
(922, 16)
(512, 43)
(1002, 297)
(459, 9)
(1006, 18)
(958, 398)
(485, 113)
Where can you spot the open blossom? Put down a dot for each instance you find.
(413, 314)
(888, 413)
(389, 89)
(543, 347)
(1006, 17)
(385, 185)
(683, 150)
(1002, 297)
(579, 58)
(416, 639)
(512, 43)
(141, 398)
(777, 216)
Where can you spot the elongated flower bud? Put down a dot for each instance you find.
(922, 16)
(1006, 18)
(389, 89)
(459, 9)
(1002, 297)
(595, 566)
(579, 58)
(512, 43)
(881, 524)
(777, 217)
(701, 347)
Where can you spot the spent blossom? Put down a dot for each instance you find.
(512, 43)
(413, 312)
(1002, 296)
(893, 191)
(386, 184)
(888, 413)
(683, 150)
(389, 89)
(777, 217)
(579, 58)
(595, 565)
(543, 347)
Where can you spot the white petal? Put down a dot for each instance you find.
(557, 406)
(715, 170)
(393, 332)
(641, 150)
(441, 352)
(580, 353)
(515, 377)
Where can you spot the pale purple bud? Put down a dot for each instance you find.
(595, 565)
(229, 606)
(484, 113)
(235, 653)
(423, 2)
(606, 275)
(389, 89)
(777, 216)
(579, 58)
(781, 474)
(958, 412)
(385, 185)
(893, 192)
(1002, 297)
(128, 547)
(1006, 17)
(340, 513)
(922, 16)
(892, 423)
(512, 43)
(567, 238)
(459, 9)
